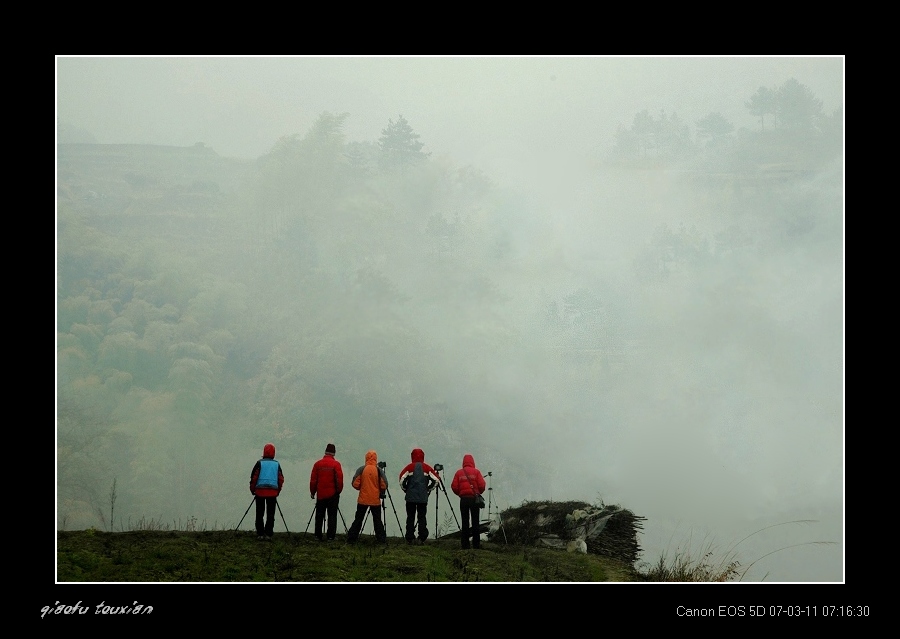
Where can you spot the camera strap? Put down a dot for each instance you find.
(475, 493)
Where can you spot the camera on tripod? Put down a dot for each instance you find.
(382, 466)
(439, 467)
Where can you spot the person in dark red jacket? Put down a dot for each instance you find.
(266, 480)
(417, 479)
(326, 482)
(468, 482)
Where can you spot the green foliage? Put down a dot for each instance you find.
(797, 105)
(763, 103)
(797, 126)
(714, 128)
(400, 146)
(663, 137)
(83, 440)
(670, 252)
(792, 106)
(161, 555)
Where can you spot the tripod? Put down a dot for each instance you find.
(384, 515)
(312, 514)
(252, 501)
(282, 517)
(499, 518)
(387, 491)
(437, 501)
(384, 509)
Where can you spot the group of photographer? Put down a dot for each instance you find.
(417, 480)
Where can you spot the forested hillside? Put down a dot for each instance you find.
(206, 306)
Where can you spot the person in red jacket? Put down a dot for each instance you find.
(326, 482)
(266, 480)
(468, 482)
(371, 482)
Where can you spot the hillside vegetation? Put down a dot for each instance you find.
(237, 556)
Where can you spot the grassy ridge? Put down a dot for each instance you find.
(237, 556)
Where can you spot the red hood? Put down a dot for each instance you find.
(468, 461)
(269, 451)
(417, 455)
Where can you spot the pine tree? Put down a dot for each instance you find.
(400, 146)
(798, 107)
(763, 103)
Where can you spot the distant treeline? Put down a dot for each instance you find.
(799, 133)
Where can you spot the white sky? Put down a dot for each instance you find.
(474, 109)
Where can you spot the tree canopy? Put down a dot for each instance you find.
(400, 146)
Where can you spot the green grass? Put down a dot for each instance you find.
(230, 556)
(188, 552)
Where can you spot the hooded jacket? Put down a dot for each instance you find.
(327, 478)
(468, 480)
(417, 478)
(370, 481)
(266, 478)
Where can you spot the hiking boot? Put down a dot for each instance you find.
(260, 538)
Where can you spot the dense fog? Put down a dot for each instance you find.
(593, 312)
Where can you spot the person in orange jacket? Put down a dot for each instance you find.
(326, 482)
(371, 482)
(468, 482)
(266, 480)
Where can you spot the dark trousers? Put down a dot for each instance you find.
(330, 507)
(356, 526)
(412, 511)
(470, 531)
(265, 506)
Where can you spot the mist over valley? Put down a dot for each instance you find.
(645, 310)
